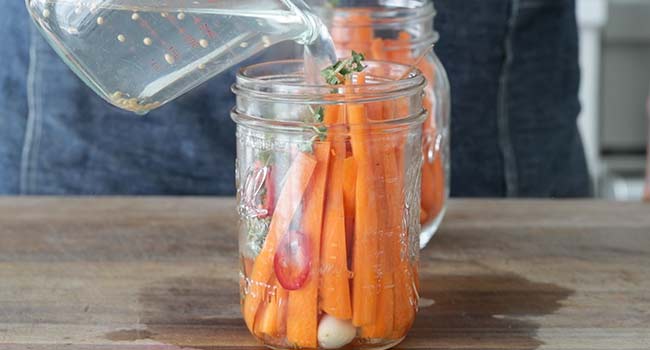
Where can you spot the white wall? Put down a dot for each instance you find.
(592, 16)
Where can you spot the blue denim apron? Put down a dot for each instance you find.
(513, 71)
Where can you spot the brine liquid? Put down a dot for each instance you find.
(141, 54)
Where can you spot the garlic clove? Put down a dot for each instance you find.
(334, 333)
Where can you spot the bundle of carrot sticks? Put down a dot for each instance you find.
(337, 246)
(354, 32)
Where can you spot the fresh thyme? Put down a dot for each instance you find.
(338, 73)
(319, 115)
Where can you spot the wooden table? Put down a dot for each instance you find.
(160, 273)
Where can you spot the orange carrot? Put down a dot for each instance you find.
(296, 181)
(416, 275)
(401, 51)
(405, 300)
(331, 115)
(364, 252)
(349, 198)
(389, 243)
(423, 214)
(438, 184)
(283, 301)
(259, 316)
(427, 187)
(377, 50)
(404, 294)
(266, 322)
(361, 33)
(302, 310)
(334, 287)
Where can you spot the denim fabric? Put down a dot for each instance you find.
(514, 77)
(14, 58)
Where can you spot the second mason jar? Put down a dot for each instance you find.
(328, 198)
(403, 31)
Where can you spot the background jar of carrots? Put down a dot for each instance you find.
(328, 197)
(403, 31)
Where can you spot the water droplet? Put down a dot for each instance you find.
(147, 41)
(135, 16)
(121, 38)
(169, 58)
(77, 10)
(180, 16)
(244, 44)
(46, 13)
(203, 43)
(100, 20)
(266, 41)
(201, 66)
(163, 14)
(424, 302)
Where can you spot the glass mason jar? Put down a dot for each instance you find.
(329, 207)
(402, 31)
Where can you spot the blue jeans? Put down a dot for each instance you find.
(514, 76)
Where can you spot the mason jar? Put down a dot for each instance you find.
(403, 31)
(328, 181)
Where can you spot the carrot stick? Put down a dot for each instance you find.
(349, 198)
(283, 301)
(364, 252)
(389, 243)
(401, 52)
(296, 181)
(439, 185)
(416, 275)
(428, 189)
(331, 116)
(423, 215)
(334, 287)
(361, 33)
(377, 50)
(267, 322)
(261, 312)
(302, 310)
(405, 300)
(404, 295)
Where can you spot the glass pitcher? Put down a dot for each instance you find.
(140, 54)
(402, 31)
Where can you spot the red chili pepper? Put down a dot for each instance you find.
(292, 261)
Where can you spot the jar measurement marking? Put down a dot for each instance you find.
(187, 38)
(205, 28)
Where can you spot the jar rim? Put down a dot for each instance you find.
(260, 82)
(389, 16)
(271, 88)
(398, 11)
(372, 126)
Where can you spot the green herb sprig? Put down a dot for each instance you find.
(338, 73)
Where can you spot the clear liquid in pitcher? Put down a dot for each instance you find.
(140, 54)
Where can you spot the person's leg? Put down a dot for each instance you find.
(14, 67)
(471, 48)
(540, 101)
(513, 69)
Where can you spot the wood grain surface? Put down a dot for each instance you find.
(161, 273)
